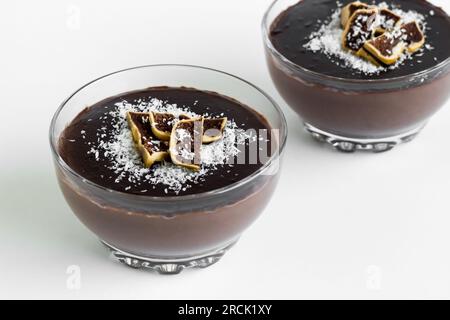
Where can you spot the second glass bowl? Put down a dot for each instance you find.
(351, 115)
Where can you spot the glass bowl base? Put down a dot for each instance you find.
(168, 266)
(349, 145)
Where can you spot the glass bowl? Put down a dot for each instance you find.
(374, 115)
(169, 234)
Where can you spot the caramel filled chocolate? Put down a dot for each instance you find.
(388, 21)
(151, 149)
(185, 143)
(414, 36)
(350, 9)
(161, 124)
(386, 49)
(358, 29)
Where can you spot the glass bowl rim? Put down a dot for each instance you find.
(235, 185)
(268, 43)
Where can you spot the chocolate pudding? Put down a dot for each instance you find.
(122, 177)
(345, 99)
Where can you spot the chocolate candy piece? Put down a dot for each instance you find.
(213, 129)
(386, 49)
(151, 149)
(358, 29)
(367, 56)
(413, 36)
(388, 21)
(350, 9)
(162, 124)
(186, 142)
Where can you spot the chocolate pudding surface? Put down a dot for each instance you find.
(98, 146)
(292, 29)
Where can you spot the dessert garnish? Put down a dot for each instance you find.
(370, 38)
(137, 160)
(384, 50)
(185, 143)
(359, 29)
(162, 123)
(388, 21)
(160, 134)
(388, 48)
(413, 36)
(391, 38)
(350, 9)
(151, 149)
(213, 129)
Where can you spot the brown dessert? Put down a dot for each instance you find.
(366, 85)
(154, 174)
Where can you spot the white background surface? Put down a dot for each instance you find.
(339, 226)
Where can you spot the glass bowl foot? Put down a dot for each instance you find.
(168, 266)
(350, 145)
